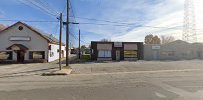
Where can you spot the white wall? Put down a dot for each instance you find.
(37, 42)
(54, 50)
(177, 50)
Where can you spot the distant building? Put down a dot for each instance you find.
(116, 50)
(23, 43)
(177, 50)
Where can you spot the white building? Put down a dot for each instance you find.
(176, 50)
(23, 43)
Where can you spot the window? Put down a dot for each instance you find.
(104, 54)
(130, 54)
(37, 54)
(51, 54)
(6, 55)
(20, 28)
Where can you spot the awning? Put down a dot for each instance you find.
(17, 47)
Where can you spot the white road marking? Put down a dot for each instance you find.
(160, 95)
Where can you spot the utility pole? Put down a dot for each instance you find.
(67, 35)
(79, 45)
(60, 41)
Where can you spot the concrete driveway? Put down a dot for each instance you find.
(130, 66)
(10, 70)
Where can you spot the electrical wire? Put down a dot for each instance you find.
(47, 6)
(38, 21)
(34, 3)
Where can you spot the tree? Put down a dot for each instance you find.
(150, 39)
(105, 40)
(156, 40)
(83, 47)
(167, 39)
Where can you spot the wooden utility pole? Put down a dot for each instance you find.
(60, 40)
(67, 35)
(79, 46)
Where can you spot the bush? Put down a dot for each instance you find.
(86, 57)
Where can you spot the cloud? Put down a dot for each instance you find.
(141, 12)
(169, 15)
(157, 13)
(167, 25)
(130, 11)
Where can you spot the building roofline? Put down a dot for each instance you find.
(112, 42)
(32, 29)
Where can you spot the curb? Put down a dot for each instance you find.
(58, 72)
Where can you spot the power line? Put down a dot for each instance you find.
(127, 25)
(73, 14)
(78, 26)
(40, 21)
(119, 23)
(42, 8)
(37, 4)
(64, 8)
(48, 6)
(93, 19)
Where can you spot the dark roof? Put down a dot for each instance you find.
(22, 47)
(49, 37)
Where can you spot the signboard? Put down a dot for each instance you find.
(156, 47)
(19, 38)
(118, 44)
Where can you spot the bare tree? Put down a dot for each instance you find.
(105, 40)
(167, 39)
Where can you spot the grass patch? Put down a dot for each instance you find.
(86, 57)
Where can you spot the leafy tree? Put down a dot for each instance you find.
(150, 39)
(83, 47)
(156, 40)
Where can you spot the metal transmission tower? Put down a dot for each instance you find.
(189, 27)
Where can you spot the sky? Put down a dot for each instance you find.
(116, 20)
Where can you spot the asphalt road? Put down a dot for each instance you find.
(157, 84)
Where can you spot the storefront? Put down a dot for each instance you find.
(22, 43)
(116, 51)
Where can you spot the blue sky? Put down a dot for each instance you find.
(158, 13)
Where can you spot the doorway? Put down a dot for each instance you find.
(118, 55)
(155, 55)
(20, 56)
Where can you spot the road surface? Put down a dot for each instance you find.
(157, 84)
